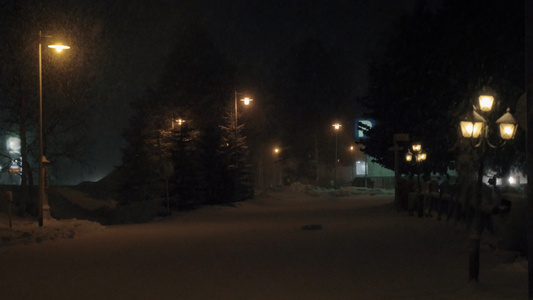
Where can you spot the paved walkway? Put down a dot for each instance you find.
(279, 246)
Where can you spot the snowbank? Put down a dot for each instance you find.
(26, 231)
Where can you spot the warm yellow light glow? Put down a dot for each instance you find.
(59, 48)
(351, 148)
(247, 100)
(472, 124)
(508, 125)
(337, 126)
(421, 157)
(409, 156)
(276, 150)
(417, 147)
(507, 131)
(180, 121)
(486, 102)
(471, 129)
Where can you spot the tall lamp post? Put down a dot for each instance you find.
(337, 127)
(246, 101)
(417, 157)
(277, 168)
(352, 151)
(475, 127)
(44, 207)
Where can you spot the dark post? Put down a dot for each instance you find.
(336, 157)
(477, 226)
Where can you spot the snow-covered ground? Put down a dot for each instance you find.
(303, 243)
(25, 231)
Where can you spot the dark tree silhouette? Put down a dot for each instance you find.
(234, 150)
(196, 85)
(434, 65)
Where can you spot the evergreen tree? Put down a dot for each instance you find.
(434, 65)
(236, 156)
(193, 86)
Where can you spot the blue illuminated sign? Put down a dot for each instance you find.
(362, 126)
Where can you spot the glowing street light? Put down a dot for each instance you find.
(472, 124)
(44, 207)
(246, 101)
(508, 126)
(352, 148)
(475, 127)
(58, 48)
(417, 156)
(486, 102)
(178, 121)
(277, 166)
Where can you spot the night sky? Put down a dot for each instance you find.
(248, 32)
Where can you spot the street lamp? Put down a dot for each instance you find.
(44, 207)
(417, 157)
(337, 127)
(277, 168)
(178, 121)
(351, 151)
(246, 101)
(474, 126)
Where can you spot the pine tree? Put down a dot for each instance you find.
(235, 151)
(192, 86)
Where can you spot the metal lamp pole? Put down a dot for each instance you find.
(419, 156)
(44, 207)
(474, 126)
(337, 126)
(246, 101)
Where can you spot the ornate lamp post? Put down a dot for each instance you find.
(475, 127)
(44, 207)
(417, 157)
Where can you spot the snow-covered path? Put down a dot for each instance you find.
(258, 250)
